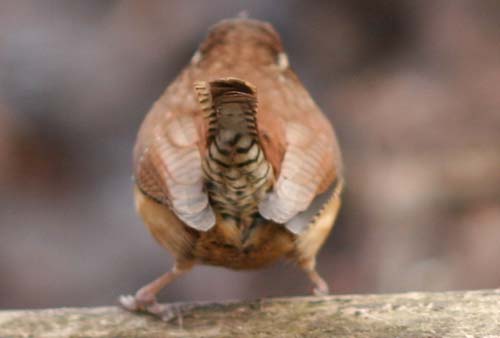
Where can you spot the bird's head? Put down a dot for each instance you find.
(243, 40)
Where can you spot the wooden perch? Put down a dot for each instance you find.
(416, 315)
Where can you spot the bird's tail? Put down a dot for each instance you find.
(235, 166)
(230, 107)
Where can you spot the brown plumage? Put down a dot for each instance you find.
(235, 165)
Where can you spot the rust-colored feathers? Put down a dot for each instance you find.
(235, 165)
(235, 159)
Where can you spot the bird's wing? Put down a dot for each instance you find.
(310, 165)
(167, 166)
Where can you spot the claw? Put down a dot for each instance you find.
(128, 303)
(165, 312)
(321, 290)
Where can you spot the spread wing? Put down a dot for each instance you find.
(308, 171)
(167, 166)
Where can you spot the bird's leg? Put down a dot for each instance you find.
(145, 298)
(320, 286)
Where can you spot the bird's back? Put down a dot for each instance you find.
(232, 188)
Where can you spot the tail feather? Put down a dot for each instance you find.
(236, 169)
(230, 107)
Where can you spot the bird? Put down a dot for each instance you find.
(235, 165)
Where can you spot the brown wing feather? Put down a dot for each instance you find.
(311, 159)
(167, 166)
(306, 164)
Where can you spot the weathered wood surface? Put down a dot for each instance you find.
(418, 315)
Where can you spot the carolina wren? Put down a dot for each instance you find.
(235, 165)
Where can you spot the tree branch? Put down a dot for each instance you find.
(416, 315)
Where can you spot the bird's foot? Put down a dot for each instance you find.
(136, 303)
(165, 312)
(321, 290)
(320, 286)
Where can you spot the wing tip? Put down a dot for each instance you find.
(271, 209)
(202, 221)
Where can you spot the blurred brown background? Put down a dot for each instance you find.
(413, 88)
